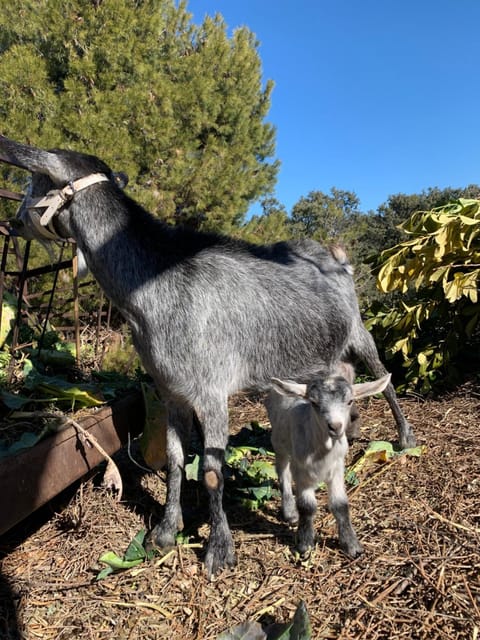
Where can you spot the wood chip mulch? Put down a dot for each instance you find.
(418, 519)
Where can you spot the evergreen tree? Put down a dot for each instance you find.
(325, 217)
(271, 226)
(179, 107)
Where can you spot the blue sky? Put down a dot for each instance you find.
(373, 96)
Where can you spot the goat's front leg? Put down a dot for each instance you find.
(338, 503)
(220, 551)
(179, 425)
(307, 506)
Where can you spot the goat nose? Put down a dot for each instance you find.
(335, 429)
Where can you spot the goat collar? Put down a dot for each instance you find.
(57, 198)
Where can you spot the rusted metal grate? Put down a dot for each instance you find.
(62, 306)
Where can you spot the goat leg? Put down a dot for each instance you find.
(289, 508)
(364, 348)
(338, 503)
(214, 420)
(307, 506)
(220, 550)
(163, 534)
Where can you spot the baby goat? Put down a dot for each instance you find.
(309, 425)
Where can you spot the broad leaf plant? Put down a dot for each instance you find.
(433, 325)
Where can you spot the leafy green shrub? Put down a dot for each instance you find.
(120, 354)
(432, 330)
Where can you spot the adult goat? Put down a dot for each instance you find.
(209, 315)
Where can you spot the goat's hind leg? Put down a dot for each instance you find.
(289, 508)
(364, 348)
(179, 426)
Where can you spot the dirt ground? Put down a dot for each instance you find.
(418, 519)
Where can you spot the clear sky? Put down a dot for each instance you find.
(373, 96)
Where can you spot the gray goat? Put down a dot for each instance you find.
(209, 315)
(309, 425)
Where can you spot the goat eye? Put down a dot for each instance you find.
(350, 402)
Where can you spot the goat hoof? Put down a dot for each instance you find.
(305, 548)
(408, 441)
(356, 552)
(290, 517)
(304, 553)
(159, 540)
(352, 550)
(220, 555)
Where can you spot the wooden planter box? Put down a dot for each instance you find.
(33, 477)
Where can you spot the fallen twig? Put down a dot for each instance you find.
(457, 525)
(111, 478)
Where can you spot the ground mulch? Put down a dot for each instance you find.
(418, 519)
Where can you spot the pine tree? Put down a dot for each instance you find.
(179, 107)
(325, 217)
(272, 225)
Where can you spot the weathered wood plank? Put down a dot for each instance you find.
(33, 477)
(10, 195)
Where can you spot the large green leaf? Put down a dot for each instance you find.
(134, 555)
(153, 441)
(300, 628)
(9, 311)
(193, 469)
(13, 400)
(58, 389)
(438, 269)
(26, 441)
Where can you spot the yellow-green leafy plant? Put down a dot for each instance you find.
(433, 327)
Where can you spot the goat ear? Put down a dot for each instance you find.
(32, 159)
(121, 179)
(289, 388)
(365, 389)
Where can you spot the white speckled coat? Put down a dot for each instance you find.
(309, 425)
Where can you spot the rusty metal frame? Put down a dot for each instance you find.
(33, 477)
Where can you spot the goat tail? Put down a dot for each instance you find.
(340, 255)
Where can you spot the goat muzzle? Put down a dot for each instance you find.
(335, 430)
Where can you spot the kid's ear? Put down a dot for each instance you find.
(365, 389)
(287, 388)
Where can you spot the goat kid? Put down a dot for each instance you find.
(209, 315)
(309, 423)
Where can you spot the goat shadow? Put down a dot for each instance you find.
(263, 521)
(9, 625)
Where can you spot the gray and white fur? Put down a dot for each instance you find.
(309, 436)
(209, 315)
(347, 371)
